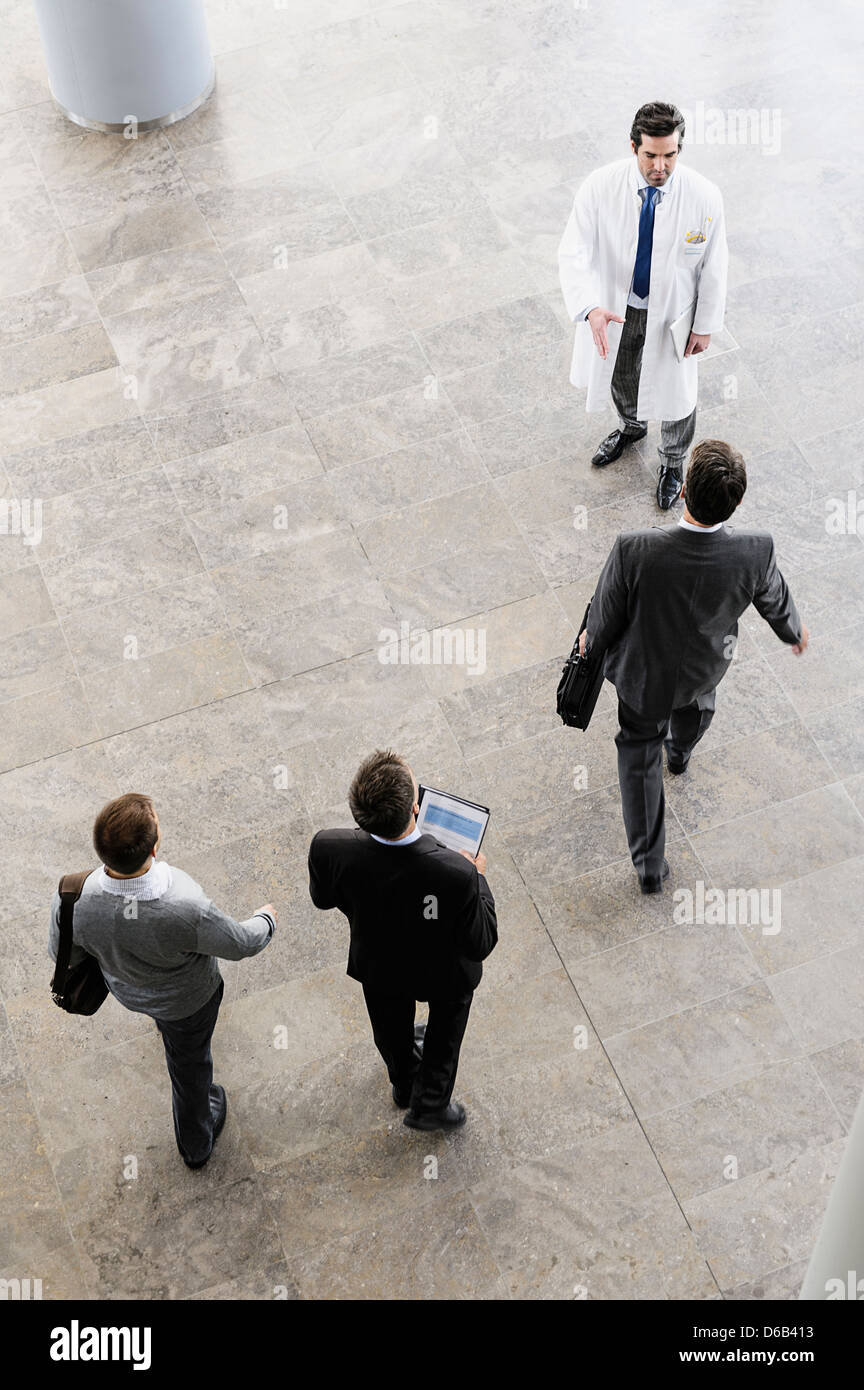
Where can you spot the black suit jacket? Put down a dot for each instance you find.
(667, 605)
(422, 918)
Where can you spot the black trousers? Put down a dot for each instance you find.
(640, 773)
(190, 1067)
(430, 1080)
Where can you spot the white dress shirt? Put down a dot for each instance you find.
(406, 839)
(689, 526)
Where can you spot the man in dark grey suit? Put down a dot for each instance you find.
(665, 612)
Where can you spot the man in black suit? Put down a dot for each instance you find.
(422, 919)
(666, 612)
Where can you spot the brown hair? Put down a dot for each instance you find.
(657, 118)
(716, 481)
(381, 795)
(125, 832)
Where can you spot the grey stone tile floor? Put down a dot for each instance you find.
(294, 371)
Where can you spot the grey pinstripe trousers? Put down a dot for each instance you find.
(676, 436)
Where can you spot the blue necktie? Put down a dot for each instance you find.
(642, 269)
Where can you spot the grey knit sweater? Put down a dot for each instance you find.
(158, 955)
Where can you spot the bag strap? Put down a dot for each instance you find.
(69, 888)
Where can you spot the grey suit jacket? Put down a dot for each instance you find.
(667, 605)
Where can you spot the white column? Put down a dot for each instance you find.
(837, 1262)
(112, 61)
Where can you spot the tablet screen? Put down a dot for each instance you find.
(458, 824)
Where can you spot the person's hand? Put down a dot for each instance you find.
(583, 637)
(598, 319)
(268, 907)
(697, 342)
(478, 859)
(799, 647)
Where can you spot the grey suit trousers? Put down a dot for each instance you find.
(676, 436)
(194, 1102)
(640, 773)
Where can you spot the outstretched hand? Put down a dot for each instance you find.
(599, 319)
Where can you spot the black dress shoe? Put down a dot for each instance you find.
(451, 1117)
(669, 482)
(675, 766)
(613, 447)
(651, 883)
(217, 1093)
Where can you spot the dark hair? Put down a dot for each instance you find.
(381, 796)
(716, 481)
(125, 833)
(657, 118)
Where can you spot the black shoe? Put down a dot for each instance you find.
(651, 883)
(613, 447)
(669, 482)
(217, 1093)
(675, 766)
(403, 1098)
(451, 1117)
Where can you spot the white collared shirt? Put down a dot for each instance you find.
(153, 884)
(406, 839)
(689, 526)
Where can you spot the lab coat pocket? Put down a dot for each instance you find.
(691, 249)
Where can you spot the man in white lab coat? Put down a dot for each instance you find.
(645, 248)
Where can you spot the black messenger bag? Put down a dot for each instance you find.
(81, 990)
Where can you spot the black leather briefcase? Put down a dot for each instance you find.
(579, 686)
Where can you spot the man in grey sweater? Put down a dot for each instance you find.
(157, 936)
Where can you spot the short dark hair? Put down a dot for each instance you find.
(657, 118)
(381, 796)
(125, 832)
(716, 481)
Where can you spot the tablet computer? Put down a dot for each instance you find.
(457, 823)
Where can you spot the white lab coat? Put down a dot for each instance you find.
(596, 259)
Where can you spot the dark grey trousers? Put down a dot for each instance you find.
(190, 1067)
(640, 773)
(676, 436)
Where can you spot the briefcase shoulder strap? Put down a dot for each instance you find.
(69, 888)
